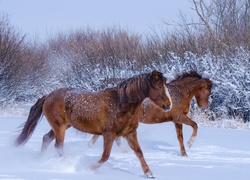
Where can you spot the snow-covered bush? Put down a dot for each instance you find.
(230, 75)
(94, 60)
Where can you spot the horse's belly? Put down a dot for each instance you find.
(89, 125)
(128, 128)
(123, 125)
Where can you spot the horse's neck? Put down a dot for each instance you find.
(185, 88)
(192, 87)
(130, 107)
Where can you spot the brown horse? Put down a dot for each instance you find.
(112, 112)
(181, 89)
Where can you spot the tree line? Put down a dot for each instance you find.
(217, 45)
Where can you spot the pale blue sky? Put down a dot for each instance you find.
(41, 18)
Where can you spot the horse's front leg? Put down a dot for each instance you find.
(179, 132)
(133, 143)
(108, 139)
(183, 119)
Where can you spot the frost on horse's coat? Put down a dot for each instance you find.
(112, 112)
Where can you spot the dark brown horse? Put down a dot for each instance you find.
(112, 113)
(181, 90)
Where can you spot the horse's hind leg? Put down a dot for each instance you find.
(47, 139)
(179, 132)
(59, 126)
(133, 143)
(59, 136)
(50, 136)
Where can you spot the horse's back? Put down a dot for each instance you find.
(84, 110)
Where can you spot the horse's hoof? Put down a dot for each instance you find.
(95, 166)
(191, 141)
(149, 175)
(90, 144)
(189, 144)
(184, 155)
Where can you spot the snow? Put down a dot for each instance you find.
(217, 153)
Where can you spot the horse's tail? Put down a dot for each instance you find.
(30, 125)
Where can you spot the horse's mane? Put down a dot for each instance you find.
(134, 89)
(191, 73)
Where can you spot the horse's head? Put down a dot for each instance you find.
(158, 91)
(203, 94)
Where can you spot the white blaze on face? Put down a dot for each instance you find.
(169, 97)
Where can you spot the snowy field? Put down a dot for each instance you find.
(218, 153)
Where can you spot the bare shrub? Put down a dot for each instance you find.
(222, 26)
(86, 52)
(20, 64)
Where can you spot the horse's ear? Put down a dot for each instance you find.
(203, 83)
(209, 83)
(206, 83)
(154, 75)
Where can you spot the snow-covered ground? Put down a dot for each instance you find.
(218, 153)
